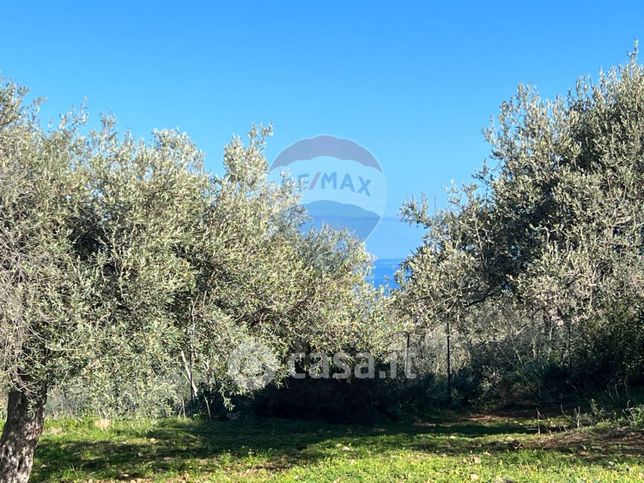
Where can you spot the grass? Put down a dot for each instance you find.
(458, 449)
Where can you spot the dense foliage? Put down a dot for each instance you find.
(539, 264)
(129, 276)
(124, 266)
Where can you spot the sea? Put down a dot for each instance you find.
(383, 271)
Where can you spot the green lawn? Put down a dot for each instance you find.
(465, 449)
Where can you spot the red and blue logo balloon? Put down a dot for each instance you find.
(342, 183)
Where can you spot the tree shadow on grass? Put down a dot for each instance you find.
(175, 447)
(179, 446)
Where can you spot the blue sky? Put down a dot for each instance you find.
(413, 82)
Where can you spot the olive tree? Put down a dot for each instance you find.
(120, 259)
(44, 283)
(567, 200)
(555, 223)
(92, 233)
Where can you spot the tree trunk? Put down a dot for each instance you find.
(24, 425)
(449, 364)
